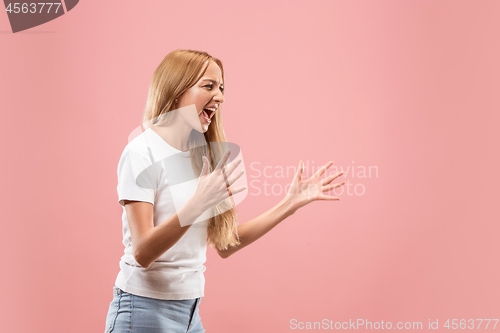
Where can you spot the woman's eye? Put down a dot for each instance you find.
(211, 86)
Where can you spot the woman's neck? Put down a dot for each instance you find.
(175, 135)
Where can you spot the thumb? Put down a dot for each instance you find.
(204, 167)
(298, 175)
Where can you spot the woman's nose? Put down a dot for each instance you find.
(219, 97)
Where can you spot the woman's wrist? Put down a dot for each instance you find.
(288, 205)
(190, 212)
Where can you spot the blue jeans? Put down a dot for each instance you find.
(137, 314)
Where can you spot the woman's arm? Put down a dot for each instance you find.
(150, 242)
(301, 193)
(252, 230)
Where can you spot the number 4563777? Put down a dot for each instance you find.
(469, 323)
(32, 7)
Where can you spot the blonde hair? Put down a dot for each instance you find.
(179, 71)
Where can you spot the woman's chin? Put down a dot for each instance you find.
(202, 129)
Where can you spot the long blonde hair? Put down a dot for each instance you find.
(179, 71)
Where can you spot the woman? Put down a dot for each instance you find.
(174, 204)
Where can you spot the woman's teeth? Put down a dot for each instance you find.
(207, 118)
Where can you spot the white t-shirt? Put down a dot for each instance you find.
(167, 183)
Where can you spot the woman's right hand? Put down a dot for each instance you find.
(213, 188)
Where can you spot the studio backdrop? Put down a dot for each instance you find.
(401, 95)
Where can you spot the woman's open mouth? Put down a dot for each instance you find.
(206, 114)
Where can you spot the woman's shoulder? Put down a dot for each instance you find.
(137, 145)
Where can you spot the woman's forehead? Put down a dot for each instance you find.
(212, 74)
(213, 71)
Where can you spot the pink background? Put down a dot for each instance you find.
(407, 87)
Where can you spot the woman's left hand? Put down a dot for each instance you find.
(304, 191)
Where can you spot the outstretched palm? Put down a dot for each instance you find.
(304, 191)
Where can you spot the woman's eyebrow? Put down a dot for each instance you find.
(214, 81)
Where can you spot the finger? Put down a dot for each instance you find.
(323, 169)
(228, 170)
(234, 178)
(227, 194)
(331, 187)
(330, 178)
(238, 190)
(299, 172)
(223, 160)
(328, 198)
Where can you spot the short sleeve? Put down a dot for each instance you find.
(136, 177)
